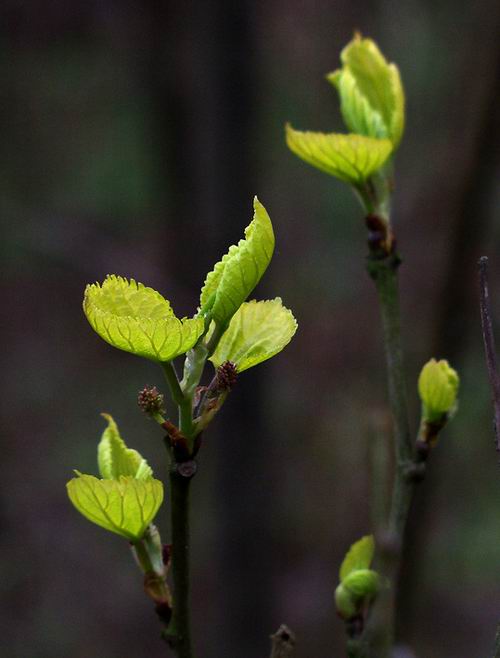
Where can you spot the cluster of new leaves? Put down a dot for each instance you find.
(372, 106)
(127, 498)
(138, 319)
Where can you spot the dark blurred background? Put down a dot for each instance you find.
(133, 137)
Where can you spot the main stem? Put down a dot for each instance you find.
(179, 629)
(178, 633)
(379, 634)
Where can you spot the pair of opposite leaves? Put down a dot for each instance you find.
(372, 106)
(137, 319)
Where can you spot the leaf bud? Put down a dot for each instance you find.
(358, 583)
(438, 388)
(345, 603)
(363, 583)
(371, 94)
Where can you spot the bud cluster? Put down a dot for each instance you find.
(226, 376)
(150, 400)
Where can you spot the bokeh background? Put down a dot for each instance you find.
(134, 136)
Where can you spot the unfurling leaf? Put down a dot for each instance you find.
(115, 459)
(438, 388)
(125, 506)
(358, 583)
(238, 272)
(351, 158)
(137, 319)
(359, 556)
(257, 331)
(371, 94)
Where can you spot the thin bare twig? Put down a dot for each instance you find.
(489, 345)
(283, 642)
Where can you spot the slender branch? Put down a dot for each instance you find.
(492, 365)
(379, 633)
(178, 633)
(384, 273)
(489, 345)
(283, 642)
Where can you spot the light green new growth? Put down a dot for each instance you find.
(359, 556)
(371, 93)
(125, 506)
(438, 389)
(257, 331)
(115, 459)
(361, 583)
(238, 272)
(137, 319)
(351, 158)
(357, 581)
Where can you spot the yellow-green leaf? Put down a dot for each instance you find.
(352, 158)
(115, 459)
(370, 89)
(257, 331)
(359, 556)
(125, 506)
(137, 319)
(238, 272)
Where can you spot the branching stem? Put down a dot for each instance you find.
(379, 633)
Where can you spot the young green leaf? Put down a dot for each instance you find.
(115, 459)
(371, 94)
(238, 272)
(359, 556)
(351, 158)
(137, 319)
(125, 506)
(257, 331)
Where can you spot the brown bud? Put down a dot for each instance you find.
(150, 400)
(226, 376)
